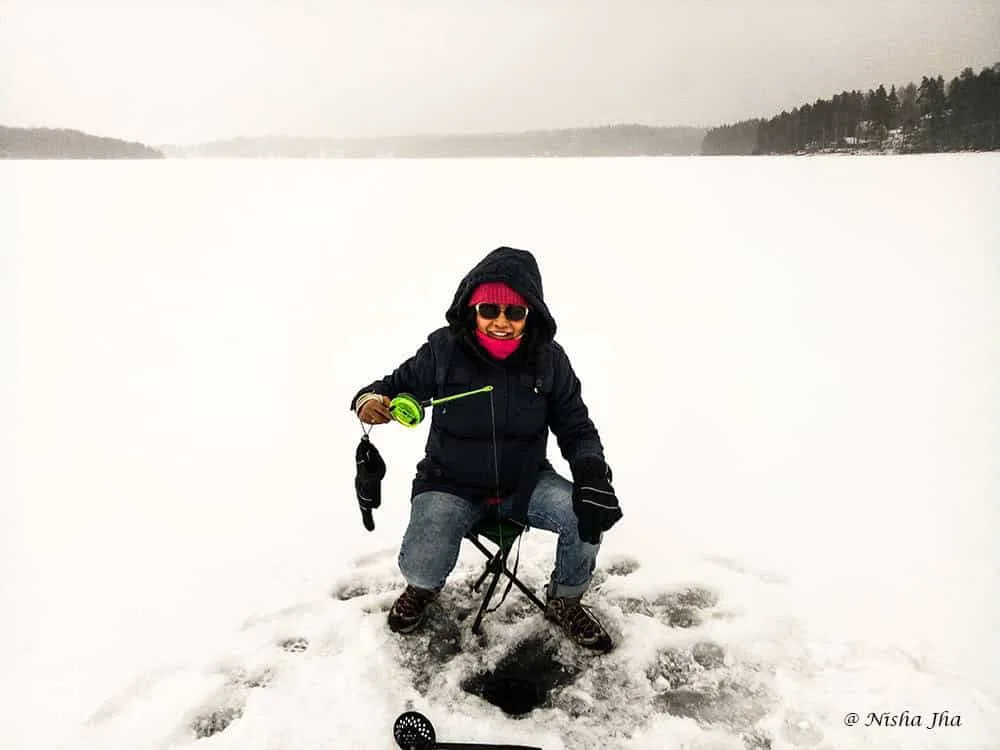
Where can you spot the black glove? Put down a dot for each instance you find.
(368, 481)
(594, 500)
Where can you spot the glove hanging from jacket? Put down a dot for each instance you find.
(368, 481)
(594, 500)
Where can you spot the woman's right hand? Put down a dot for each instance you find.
(375, 410)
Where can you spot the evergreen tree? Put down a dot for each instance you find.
(909, 109)
(933, 106)
(932, 98)
(893, 110)
(879, 111)
(961, 94)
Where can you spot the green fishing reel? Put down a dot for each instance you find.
(409, 411)
(406, 410)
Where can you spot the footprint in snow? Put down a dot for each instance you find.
(251, 679)
(684, 608)
(294, 645)
(623, 567)
(229, 703)
(357, 587)
(205, 725)
(698, 682)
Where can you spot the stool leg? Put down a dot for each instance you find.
(480, 546)
(524, 589)
(495, 566)
(491, 559)
(478, 584)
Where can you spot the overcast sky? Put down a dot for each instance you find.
(187, 71)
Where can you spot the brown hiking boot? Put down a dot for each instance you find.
(578, 622)
(409, 609)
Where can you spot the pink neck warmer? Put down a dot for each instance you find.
(498, 348)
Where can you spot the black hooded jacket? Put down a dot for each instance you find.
(534, 390)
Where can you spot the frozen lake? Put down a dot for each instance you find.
(794, 364)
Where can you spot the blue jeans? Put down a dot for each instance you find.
(439, 521)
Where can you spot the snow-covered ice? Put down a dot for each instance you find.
(794, 364)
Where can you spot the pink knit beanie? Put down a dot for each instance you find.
(498, 293)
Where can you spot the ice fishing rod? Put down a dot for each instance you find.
(409, 411)
(414, 731)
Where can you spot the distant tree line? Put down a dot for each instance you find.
(49, 143)
(608, 140)
(963, 114)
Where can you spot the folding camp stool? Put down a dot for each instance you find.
(503, 534)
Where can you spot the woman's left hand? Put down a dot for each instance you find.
(594, 500)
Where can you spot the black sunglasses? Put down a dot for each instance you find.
(491, 311)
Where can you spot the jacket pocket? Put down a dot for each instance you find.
(470, 417)
(529, 415)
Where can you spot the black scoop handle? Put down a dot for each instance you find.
(414, 731)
